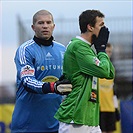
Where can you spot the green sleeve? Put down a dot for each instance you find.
(111, 67)
(92, 64)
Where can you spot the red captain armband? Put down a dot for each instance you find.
(48, 88)
(52, 87)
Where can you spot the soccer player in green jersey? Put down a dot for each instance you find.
(79, 112)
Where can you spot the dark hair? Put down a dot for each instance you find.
(88, 17)
(109, 45)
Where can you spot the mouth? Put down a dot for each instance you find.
(45, 32)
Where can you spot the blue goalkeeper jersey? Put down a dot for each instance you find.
(36, 64)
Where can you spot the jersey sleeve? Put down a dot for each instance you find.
(94, 65)
(24, 61)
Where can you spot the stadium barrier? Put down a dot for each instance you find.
(5, 117)
(125, 125)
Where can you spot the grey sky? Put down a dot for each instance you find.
(65, 9)
(59, 9)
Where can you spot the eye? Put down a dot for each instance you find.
(40, 22)
(49, 22)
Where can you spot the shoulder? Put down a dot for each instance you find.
(57, 44)
(26, 45)
(75, 44)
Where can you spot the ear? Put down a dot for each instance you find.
(32, 26)
(90, 28)
(53, 26)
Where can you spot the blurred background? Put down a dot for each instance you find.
(15, 26)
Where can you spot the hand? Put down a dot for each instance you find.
(102, 39)
(62, 86)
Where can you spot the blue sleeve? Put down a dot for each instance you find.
(24, 60)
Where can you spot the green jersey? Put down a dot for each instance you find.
(82, 66)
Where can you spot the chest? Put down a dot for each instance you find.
(48, 58)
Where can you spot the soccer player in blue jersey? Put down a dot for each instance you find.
(39, 66)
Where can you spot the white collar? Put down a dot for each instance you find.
(81, 38)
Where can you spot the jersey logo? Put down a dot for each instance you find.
(49, 56)
(49, 79)
(93, 96)
(97, 61)
(42, 68)
(62, 54)
(27, 71)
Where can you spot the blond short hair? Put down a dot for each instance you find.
(41, 12)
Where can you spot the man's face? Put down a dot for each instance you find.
(43, 27)
(99, 24)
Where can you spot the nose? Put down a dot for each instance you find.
(45, 25)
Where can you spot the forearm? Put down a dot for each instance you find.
(107, 64)
(62, 86)
(34, 86)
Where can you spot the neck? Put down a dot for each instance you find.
(44, 42)
(87, 37)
